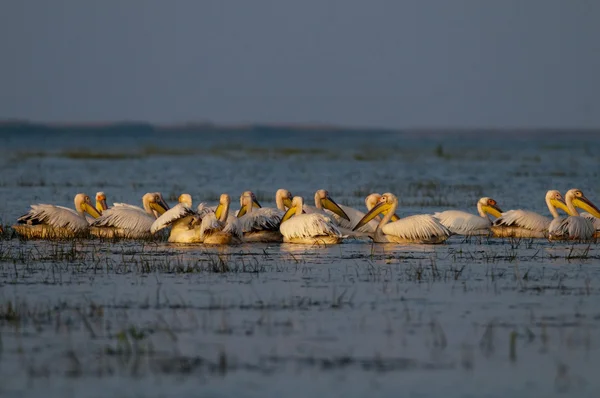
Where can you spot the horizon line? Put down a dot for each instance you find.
(188, 125)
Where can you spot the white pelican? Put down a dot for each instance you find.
(128, 221)
(221, 228)
(463, 223)
(101, 201)
(325, 205)
(574, 227)
(308, 229)
(527, 224)
(183, 220)
(49, 221)
(592, 213)
(261, 224)
(421, 228)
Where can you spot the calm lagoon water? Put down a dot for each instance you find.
(478, 317)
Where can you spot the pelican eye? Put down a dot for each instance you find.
(492, 202)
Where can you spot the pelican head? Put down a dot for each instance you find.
(555, 199)
(322, 197)
(489, 206)
(579, 200)
(101, 202)
(186, 199)
(283, 198)
(154, 203)
(372, 200)
(223, 207)
(388, 202)
(247, 202)
(295, 209)
(83, 204)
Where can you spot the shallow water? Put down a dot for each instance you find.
(478, 317)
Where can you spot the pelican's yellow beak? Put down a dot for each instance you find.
(218, 211)
(395, 217)
(288, 214)
(160, 207)
(382, 207)
(241, 212)
(101, 204)
(91, 210)
(330, 204)
(560, 204)
(493, 210)
(585, 204)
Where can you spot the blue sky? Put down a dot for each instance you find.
(398, 64)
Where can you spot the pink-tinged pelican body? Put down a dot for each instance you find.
(221, 228)
(261, 224)
(54, 222)
(528, 224)
(463, 223)
(574, 227)
(130, 222)
(422, 228)
(185, 222)
(308, 229)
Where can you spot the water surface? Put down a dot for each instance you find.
(477, 317)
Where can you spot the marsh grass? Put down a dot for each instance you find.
(150, 336)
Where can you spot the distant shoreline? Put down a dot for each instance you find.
(24, 126)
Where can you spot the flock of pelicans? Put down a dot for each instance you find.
(293, 221)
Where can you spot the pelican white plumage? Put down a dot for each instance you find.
(308, 228)
(184, 221)
(595, 220)
(462, 223)
(261, 224)
(528, 224)
(129, 221)
(421, 228)
(220, 227)
(573, 227)
(45, 221)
